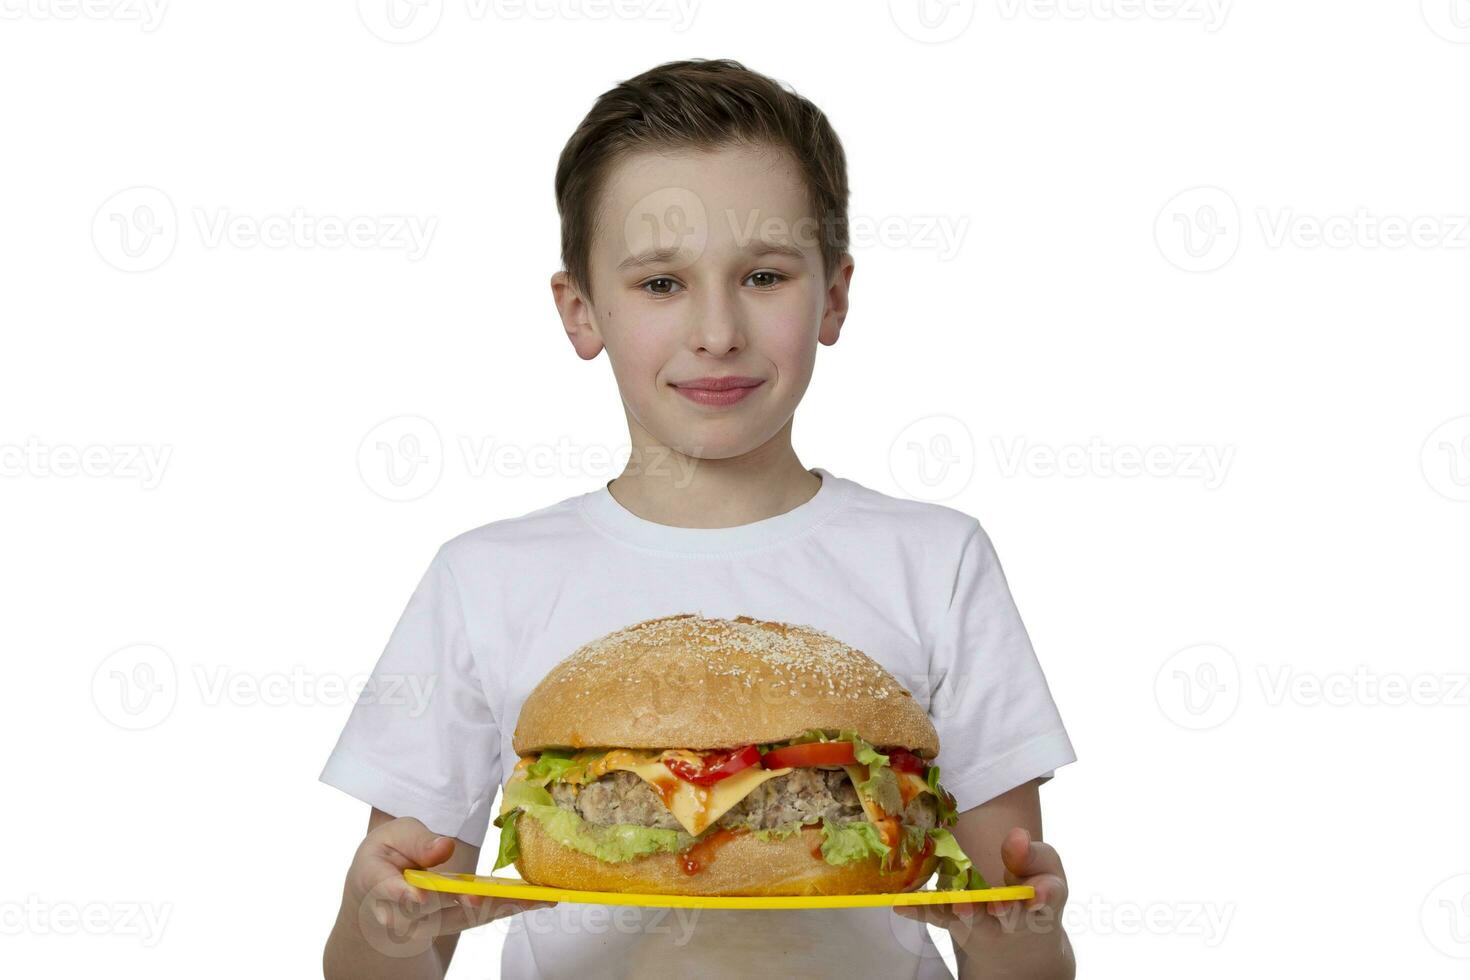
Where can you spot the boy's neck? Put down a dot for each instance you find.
(712, 493)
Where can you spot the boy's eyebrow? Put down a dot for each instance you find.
(762, 247)
(652, 256)
(755, 249)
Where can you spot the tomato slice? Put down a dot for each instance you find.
(810, 754)
(717, 765)
(905, 761)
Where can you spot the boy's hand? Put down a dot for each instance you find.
(1034, 922)
(392, 910)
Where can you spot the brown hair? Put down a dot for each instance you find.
(697, 104)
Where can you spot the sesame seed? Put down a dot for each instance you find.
(792, 653)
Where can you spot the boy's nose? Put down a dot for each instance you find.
(719, 329)
(719, 344)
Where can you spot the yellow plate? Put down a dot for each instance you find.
(498, 887)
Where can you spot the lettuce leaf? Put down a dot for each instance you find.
(549, 766)
(852, 841)
(613, 843)
(881, 787)
(911, 843)
(956, 871)
(510, 844)
(947, 813)
(561, 766)
(520, 793)
(779, 833)
(865, 753)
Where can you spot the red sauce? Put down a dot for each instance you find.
(916, 862)
(888, 831)
(697, 856)
(666, 789)
(906, 791)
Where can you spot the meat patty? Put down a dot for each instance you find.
(618, 797)
(805, 794)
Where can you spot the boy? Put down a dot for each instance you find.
(704, 236)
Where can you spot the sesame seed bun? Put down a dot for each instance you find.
(690, 682)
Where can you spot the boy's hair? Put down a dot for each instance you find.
(699, 104)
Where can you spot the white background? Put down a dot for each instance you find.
(1229, 240)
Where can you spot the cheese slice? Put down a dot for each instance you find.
(859, 775)
(911, 785)
(695, 807)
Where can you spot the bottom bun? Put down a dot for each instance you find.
(742, 864)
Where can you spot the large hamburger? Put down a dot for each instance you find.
(697, 756)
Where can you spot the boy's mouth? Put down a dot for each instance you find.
(717, 390)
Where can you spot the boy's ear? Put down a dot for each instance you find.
(837, 301)
(576, 317)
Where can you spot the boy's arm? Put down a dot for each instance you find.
(465, 859)
(1000, 939)
(387, 929)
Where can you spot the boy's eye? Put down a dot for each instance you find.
(667, 286)
(658, 285)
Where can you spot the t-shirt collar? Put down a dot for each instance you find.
(612, 518)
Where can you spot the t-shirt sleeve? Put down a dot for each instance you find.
(421, 740)
(998, 725)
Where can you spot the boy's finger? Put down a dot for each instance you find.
(1006, 914)
(466, 916)
(924, 916)
(384, 889)
(410, 903)
(923, 913)
(1051, 892)
(940, 915)
(416, 846)
(487, 904)
(1025, 858)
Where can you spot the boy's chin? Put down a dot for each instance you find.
(700, 436)
(715, 448)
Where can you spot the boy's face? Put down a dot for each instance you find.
(707, 264)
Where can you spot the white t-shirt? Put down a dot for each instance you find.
(914, 585)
